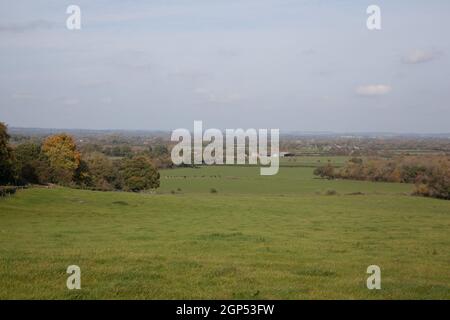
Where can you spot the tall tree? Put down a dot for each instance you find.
(27, 161)
(100, 173)
(7, 174)
(63, 157)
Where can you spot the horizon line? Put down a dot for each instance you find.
(282, 131)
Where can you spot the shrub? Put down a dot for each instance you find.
(358, 193)
(326, 171)
(436, 183)
(213, 190)
(431, 174)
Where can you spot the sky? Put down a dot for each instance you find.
(300, 65)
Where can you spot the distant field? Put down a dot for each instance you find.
(256, 238)
(289, 181)
(313, 161)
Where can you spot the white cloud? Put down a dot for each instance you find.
(373, 90)
(420, 56)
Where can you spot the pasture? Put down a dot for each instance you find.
(273, 237)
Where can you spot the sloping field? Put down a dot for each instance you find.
(257, 237)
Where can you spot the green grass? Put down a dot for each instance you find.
(259, 237)
(313, 161)
(289, 181)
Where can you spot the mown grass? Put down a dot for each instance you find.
(258, 237)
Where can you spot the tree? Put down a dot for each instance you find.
(7, 172)
(98, 172)
(160, 156)
(139, 174)
(118, 151)
(28, 156)
(63, 157)
(82, 175)
(159, 150)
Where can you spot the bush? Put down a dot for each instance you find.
(358, 193)
(326, 171)
(212, 190)
(435, 183)
(430, 174)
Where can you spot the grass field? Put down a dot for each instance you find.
(256, 238)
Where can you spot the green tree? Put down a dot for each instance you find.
(28, 156)
(159, 150)
(139, 174)
(7, 172)
(100, 173)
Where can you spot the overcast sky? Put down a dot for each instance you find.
(289, 64)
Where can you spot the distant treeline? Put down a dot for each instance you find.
(125, 143)
(430, 174)
(367, 146)
(57, 160)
